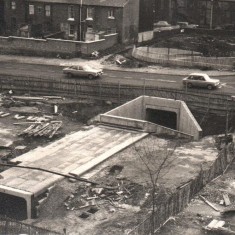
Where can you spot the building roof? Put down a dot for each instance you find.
(106, 3)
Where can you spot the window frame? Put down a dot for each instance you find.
(71, 25)
(47, 10)
(90, 13)
(111, 14)
(31, 9)
(39, 9)
(71, 12)
(13, 5)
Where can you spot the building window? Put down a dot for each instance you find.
(71, 12)
(13, 5)
(39, 9)
(90, 13)
(48, 10)
(110, 14)
(31, 9)
(71, 30)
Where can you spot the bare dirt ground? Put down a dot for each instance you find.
(20, 113)
(197, 215)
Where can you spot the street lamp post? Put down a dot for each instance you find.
(211, 16)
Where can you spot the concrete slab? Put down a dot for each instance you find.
(75, 153)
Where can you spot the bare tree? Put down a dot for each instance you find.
(156, 156)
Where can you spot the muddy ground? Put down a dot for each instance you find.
(18, 113)
(114, 209)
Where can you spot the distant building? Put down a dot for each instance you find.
(82, 20)
(195, 11)
(12, 16)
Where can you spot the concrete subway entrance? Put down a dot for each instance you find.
(13, 207)
(162, 117)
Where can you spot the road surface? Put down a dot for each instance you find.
(111, 76)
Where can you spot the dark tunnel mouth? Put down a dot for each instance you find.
(13, 206)
(162, 117)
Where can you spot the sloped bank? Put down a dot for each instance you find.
(184, 193)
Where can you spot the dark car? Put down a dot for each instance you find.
(83, 71)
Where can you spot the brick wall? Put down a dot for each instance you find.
(108, 41)
(51, 47)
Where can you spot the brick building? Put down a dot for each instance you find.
(12, 16)
(196, 11)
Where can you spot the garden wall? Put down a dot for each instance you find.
(52, 47)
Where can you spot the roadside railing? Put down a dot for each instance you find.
(197, 100)
(14, 227)
(169, 56)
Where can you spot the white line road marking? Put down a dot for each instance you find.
(128, 77)
(159, 80)
(162, 80)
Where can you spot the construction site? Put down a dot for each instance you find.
(82, 167)
(108, 158)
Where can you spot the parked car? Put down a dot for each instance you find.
(162, 26)
(82, 71)
(185, 25)
(201, 80)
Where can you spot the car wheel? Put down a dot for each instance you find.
(90, 76)
(69, 75)
(189, 85)
(209, 87)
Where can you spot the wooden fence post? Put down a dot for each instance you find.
(119, 86)
(99, 90)
(144, 86)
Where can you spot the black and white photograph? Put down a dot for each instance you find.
(117, 117)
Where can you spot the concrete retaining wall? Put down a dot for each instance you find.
(122, 121)
(133, 109)
(133, 115)
(141, 125)
(188, 123)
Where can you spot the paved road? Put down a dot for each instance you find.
(123, 77)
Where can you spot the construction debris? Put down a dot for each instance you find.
(226, 200)
(209, 203)
(112, 197)
(46, 129)
(4, 114)
(217, 226)
(18, 117)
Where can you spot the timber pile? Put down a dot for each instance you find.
(46, 129)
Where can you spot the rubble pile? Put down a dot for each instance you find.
(89, 195)
(46, 129)
(111, 193)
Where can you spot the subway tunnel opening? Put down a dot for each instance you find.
(13, 207)
(162, 117)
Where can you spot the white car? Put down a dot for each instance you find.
(186, 25)
(201, 80)
(162, 26)
(83, 71)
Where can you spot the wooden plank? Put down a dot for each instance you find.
(209, 203)
(226, 199)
